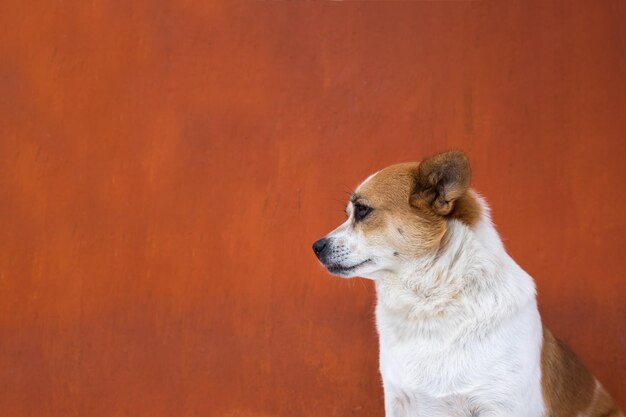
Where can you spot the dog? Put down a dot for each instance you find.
(459, 329)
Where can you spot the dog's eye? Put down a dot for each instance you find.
(361, 212)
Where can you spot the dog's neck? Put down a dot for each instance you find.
(469, 280)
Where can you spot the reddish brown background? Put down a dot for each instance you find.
(165, 166)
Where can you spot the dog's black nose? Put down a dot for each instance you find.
(319, 246)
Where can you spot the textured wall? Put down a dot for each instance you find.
(165, 167)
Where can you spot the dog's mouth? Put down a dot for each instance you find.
(343, 270)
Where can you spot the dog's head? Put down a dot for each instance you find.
(398, 215)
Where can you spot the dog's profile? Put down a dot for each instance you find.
(460, 333)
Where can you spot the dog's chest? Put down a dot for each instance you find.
(426, 367)
(429, 377)
(412, 361)
(418, 386)
(420, 382)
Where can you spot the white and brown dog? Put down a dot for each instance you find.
(460, 333)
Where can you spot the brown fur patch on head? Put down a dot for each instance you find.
(388, 194)
(568, 387)
(466, 209)
(412, 202)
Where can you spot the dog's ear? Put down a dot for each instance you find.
(440, 181)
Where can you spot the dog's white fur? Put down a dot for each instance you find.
(434, 365)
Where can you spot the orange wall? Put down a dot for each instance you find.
(165, 167)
